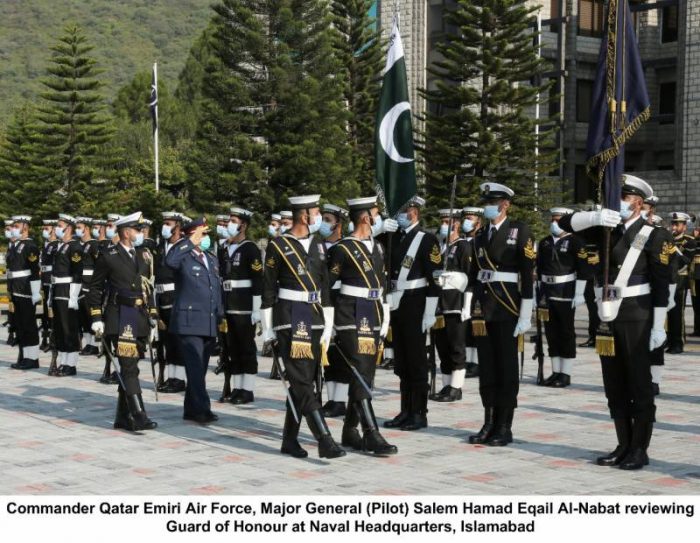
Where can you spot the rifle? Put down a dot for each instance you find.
(282, 372)
(430, 346)
(539, 344)
(224, 364)
(53, 369)
(354, 371)
(154, 360)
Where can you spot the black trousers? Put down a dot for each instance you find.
(626, 376)
(365, 364)
(696, 308)
(129, 367)
(85, 318)
(243, 354)
(560, 331)
(301, 372)
(45, 321)
(593, 319)
(498, 365)
(408, 339)
(167, 342)
(656, 357)
(450, 344)
(676, 319)
(196, 351)
(26, 329)
(66, 327)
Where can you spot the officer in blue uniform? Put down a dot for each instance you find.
(197, 310)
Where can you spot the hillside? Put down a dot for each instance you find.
(128, 35)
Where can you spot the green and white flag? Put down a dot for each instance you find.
(396, 166)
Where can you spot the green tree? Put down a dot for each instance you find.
(73, 129)
(359, 51)
(479, 119)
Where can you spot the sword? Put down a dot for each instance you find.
(277, 361)
(154, 361)
(353, 369)
(112, 359)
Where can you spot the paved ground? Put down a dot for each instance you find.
(56, 438)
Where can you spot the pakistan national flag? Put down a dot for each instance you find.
(396, 167)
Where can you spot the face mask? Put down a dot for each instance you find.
(8, 234)
(316, 225)
(205, 243)
(79, 232)
(467, 225)
(138, 240)
(443, 230)
(326, 229)
(403, 221)
(166, 231)
(555, 229)
(95, 232)
(645, 214)
(351, 227)
(110, 233)
(377, 225)
(232, 229)
(283, 229)
(59, 232)
(271, 231)
(221, 231)
(45, 234)
(491, 212)
(625, 211)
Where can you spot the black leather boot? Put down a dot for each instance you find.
(243, 397)
(451, 395)
(290, 444)
(436, 397)
(351, 436)
(327, 447)
(502, 434)
(138, 414)
(549, 380)
(372, 440)
(637, 456)
(333, 409)
(418, 417)
(487, 428)
(623, 429)
(563, 381)
(123, 419)
(402, 417)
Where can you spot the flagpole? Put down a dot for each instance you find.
(155, 132)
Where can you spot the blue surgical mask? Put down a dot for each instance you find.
(555, 229)
(79, 232)
(444, 228)
(625, 211)
(59, 232)
(403, 221)
(232, 229)
(467, 225)
(283, 229)
(351, 227)
(110, 232)
(8, 234)
(491, 212)
(166, 231)
(205, 243)
(271, 231)
(221, 231)
(45, 234)
(326, 229)
(645, 214)
(138, 241)
(95, 232)
(377, 226)
(16, 233)
(316, 225)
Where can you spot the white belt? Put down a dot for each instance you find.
(491, 276)
(410, 285)
(46, 269)
(361, 292)
(231, 284)
(336, 285)
(61, 280)
(88, 272)
(557, 279)
(310, 297)
(165, 287)
(18, 274)
(615, 293)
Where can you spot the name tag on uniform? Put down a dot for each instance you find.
(196, 268)
(485, 276)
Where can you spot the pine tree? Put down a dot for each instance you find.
(359, 50)
(480, 121)
(74, 128)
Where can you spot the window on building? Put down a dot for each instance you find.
(590, 17)
(669, 24)
(667, 102)
(584, 189)
(554, 97)
(584, 95)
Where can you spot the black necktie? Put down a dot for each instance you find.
(492, 233)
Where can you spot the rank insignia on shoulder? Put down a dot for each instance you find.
(335, 268)
(270, 262)
(529, 250)
(32, 258)
(256, 265)
(76, 257)
(667, 249)
(435, 256)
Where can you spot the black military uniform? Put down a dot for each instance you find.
(694, 279)
(240, 262)
(685, 249)
(11, 336)
(636, 328)
(91, 250)
(122, 274)
(449, 330)
(471, 225)
(502, 285)
(24, 288)
(413, 299)
(593, 260)
(361, 321)
(296, 311)
(66, 284)
(46, 261)
(562, 273)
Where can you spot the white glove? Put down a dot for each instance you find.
(671, 296)
(658, 334)
(36, 291)
(454, 280)
(579, 298)
(328, 321)
(525, 317)
(467, 307)
(601, 217)
(388, 225)
(268, 333)
(384, 330)
(98, 327)
(429, 317)
(255, 315)
(75, 289)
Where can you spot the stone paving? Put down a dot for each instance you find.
(56, 437)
